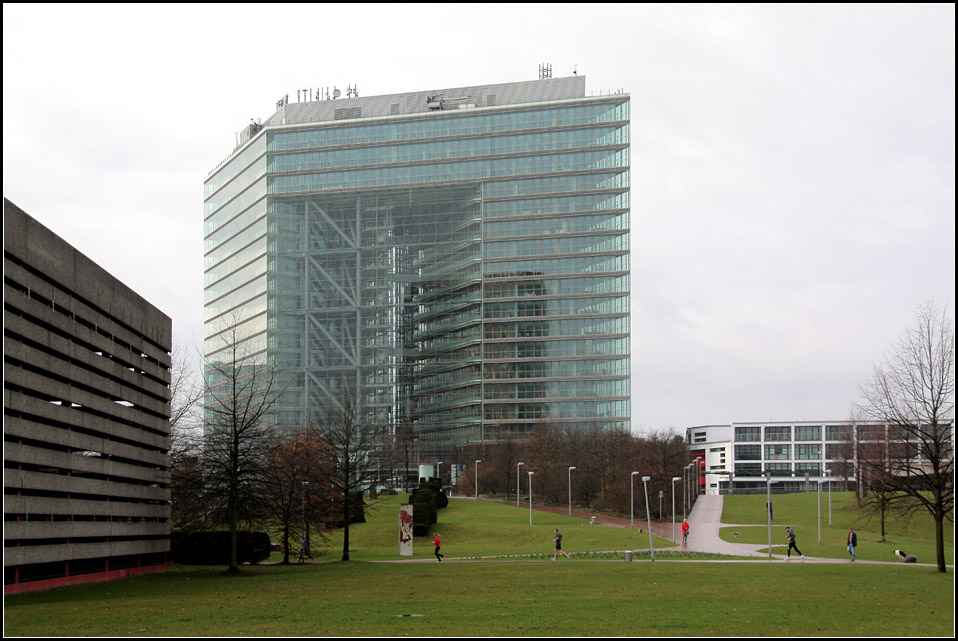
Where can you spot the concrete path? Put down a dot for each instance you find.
(704, 524)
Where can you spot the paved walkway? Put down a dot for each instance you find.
(705, 521)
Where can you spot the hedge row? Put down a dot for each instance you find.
(426, 502)
(357, 511)
(213, 548)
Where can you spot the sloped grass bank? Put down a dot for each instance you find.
(480, 528)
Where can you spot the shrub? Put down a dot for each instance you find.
(213, 548)
(420, 519)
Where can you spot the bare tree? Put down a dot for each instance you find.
(877, 491)
(189, 506)
(294, 484)
(662, 455)
(239, 392)
(502, 459)
(844, 452)
(912, 391)
(405, 442)
(545, 457)
(186, 390)
(357, 442)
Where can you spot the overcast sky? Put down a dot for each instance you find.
(793, 167)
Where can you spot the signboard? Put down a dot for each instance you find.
(405, 529)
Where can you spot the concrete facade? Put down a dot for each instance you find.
(736, 457)
(86, 417)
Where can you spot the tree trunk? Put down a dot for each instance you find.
(940, 539)
(346, 527)
(883, 522)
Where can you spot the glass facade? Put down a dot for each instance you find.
(467, 270)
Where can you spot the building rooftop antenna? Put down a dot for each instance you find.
(545, 71)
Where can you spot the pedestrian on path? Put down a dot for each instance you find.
(303, 549)
(558, 540)
(685, 532)
(852, 542)
(438, 544)
(790, 536)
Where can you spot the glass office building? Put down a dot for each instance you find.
(460, 256)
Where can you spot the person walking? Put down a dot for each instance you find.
(790, 536)
(558, 540)
(852, 542)
(685, 531)
(303, 549)
(438, 543)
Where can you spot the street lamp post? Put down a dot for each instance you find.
(674, 479)
(692, 484)
(478, 461)
(632, 500)
(439, 472)
(648, 515)
(530, 497)
(697, 484)
(768, 508)
(819, 511)
(829, 473)
(570, 489)
(305, 484)
(685, 488)
(517, 482)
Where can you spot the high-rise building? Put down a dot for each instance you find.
(460, 256)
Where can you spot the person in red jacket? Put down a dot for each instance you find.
(438, 543)
(685, 532)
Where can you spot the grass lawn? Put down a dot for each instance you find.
(510, 597)
(800, 511)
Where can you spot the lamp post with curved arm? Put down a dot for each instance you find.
(768, 509)
(674, 479)
(478, 461)
(304, 485)
(570, 489)
(530, 497)
(518, 485)
(829, 473)
(696, 477)
(648, 515)
(632, 500)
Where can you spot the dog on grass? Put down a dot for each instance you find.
(907, 558)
